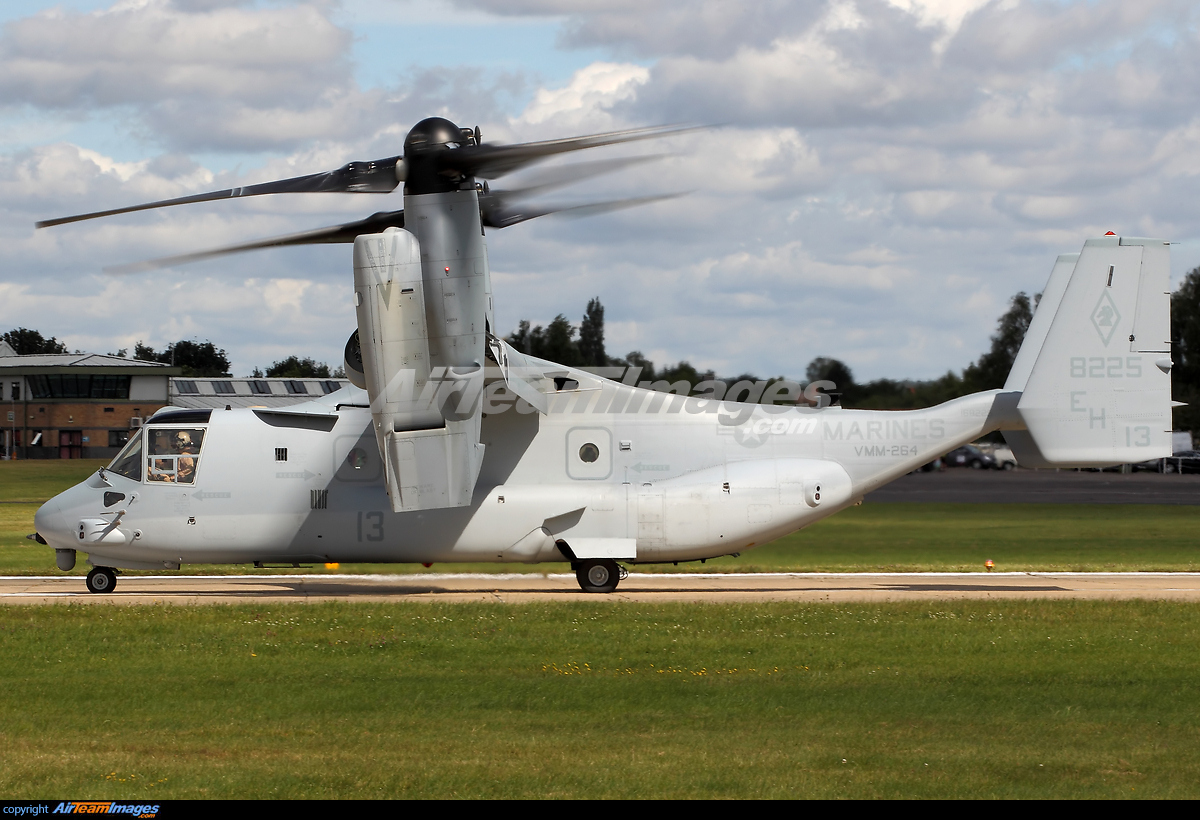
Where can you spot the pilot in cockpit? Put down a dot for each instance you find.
(185, 471)
(174, 457)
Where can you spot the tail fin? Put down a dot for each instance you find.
(1096, 370)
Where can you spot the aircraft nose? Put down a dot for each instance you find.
(52, 525)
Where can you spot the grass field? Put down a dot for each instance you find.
(1023, 699)
(987, 699)
(873, 537)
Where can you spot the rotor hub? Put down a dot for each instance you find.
(424, 146)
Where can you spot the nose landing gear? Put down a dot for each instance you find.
(101, 580)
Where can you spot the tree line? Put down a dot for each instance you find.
(562, 342)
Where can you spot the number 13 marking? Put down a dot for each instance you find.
(1137, 436)
(374, 526)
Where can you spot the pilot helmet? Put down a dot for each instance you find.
(182, 439)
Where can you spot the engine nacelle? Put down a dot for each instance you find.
(427, 435)
(389, 298)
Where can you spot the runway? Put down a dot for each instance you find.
(962, 485)
(637, 588)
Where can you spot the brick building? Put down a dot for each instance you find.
(75, 405)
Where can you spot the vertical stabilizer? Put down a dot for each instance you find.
(1099, 391)
(1043, 316)
(1022, 444)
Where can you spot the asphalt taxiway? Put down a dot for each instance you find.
(962, 485)
(638, 587)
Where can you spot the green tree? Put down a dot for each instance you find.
(991, 370)
(29, 342)
(559, 343)
(832, 370)
(1185, 351)
(296, 368)
(591, 335)
(634, 358)
(195, 358)
(555, 342)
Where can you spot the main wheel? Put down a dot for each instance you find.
(598, 575)
(101, 580)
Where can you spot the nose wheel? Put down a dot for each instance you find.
(101, 580)
(599, 575)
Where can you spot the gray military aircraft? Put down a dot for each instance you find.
(452, 446)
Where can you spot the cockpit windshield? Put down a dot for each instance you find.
(173, 453)
(129, 461)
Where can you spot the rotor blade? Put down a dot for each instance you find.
(550, 178)
(492, 161)
(498, 214)
(375, 223)
(375, 177)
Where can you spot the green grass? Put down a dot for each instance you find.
(913, 537)
(40, 479)
(907, 537)
(979, 699)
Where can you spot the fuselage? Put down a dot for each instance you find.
(674, 478)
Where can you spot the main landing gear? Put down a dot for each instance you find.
(101, 580)
(599, 574)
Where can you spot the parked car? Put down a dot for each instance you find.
(1186, 462)
(970, 456)
(1005, 460)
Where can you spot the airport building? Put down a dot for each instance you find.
(76, 405)
(84, 405)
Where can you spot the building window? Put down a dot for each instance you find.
(330, 386)
(260, 387)
(296, 387)
(186, 388)
(77, 386)
(16, 391)
(223, 387)
(117, 438)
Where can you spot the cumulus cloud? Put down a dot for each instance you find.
(886, 173)
(155, 50)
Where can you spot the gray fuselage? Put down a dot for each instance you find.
(669, 477)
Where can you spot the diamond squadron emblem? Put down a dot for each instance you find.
(1106, 317)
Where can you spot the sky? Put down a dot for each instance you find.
(879, 178)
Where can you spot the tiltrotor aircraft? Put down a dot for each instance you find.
(453, 446)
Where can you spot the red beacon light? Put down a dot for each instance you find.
(1110, 233)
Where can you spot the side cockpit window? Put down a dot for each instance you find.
(173, 453)
(129, 461)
